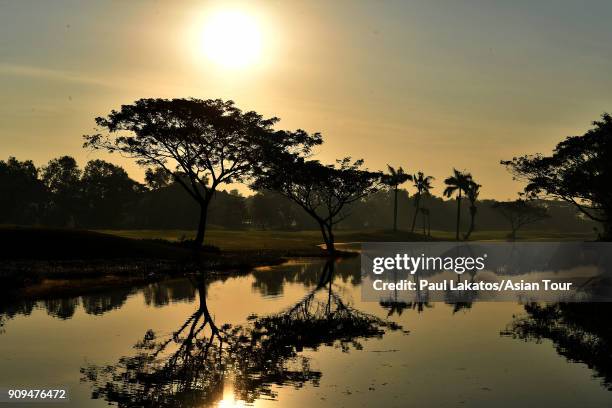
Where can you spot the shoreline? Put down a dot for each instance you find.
(67, 278)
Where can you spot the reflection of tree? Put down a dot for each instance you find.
(62, 308)
(164, 292)
(580, 332)
(10, 310)
(395, 306)
(398, 307)
(461, 300)
(308, 274)
(100, 303)
(183, 368)
(189, 366)
(156, 294)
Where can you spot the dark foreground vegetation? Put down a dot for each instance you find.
(34, 261)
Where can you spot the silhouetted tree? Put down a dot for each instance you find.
(459, 182)
(269, 209)
(62, 177)
(157, 178)
(520, 212)
(393, 179)
(472, 193)
(322, 191)
(210, 142)
(106, 190)
(21, 193)
(423, 184)
(426, 221)
(579, 172)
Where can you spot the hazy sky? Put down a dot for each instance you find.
(427, 85)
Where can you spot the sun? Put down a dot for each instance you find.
(232, 39)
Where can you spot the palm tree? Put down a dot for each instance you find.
(458, 182)
(423, 185)
(393, 180)
(472, 194)
(426, 222)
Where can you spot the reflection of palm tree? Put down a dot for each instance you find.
(458, 182)
(188, 367)
(398, 307)
(472, 193)
(395, 306)
(393, 180)
(423, 184)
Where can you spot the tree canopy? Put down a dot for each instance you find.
(209, 142)
(520, 212)
(323, 191)
(579, 171)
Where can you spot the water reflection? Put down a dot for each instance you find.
(581, 332)
(156, 294)
(189, 366)
(305, 272)
(193, 359)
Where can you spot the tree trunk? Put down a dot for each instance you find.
(395, 211)
(328, 238)
(472, 222)
(199, 239)
(331, 248)
(607, 232)
(417, 199)
(458, 215)
(424, 226)
(513, 234)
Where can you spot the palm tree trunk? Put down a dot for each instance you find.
(472, 222)
(395, 211)
(417, 199)
(424, 226)
(458, 215)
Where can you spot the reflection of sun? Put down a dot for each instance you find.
(228, 400)
(230, 403)
(232, 39)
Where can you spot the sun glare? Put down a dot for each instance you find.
(232, 39)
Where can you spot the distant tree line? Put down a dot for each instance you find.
(103, 196)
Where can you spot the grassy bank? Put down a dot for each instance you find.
(307, 241)
(299, 242)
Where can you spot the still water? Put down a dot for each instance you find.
(297, 335)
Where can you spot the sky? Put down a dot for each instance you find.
(426, 85)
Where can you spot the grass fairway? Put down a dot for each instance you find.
(253, 240)
(304, 241)
(526, 235)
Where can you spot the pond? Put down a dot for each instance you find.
(298, 334)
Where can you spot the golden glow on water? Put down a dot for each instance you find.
(229, 401)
